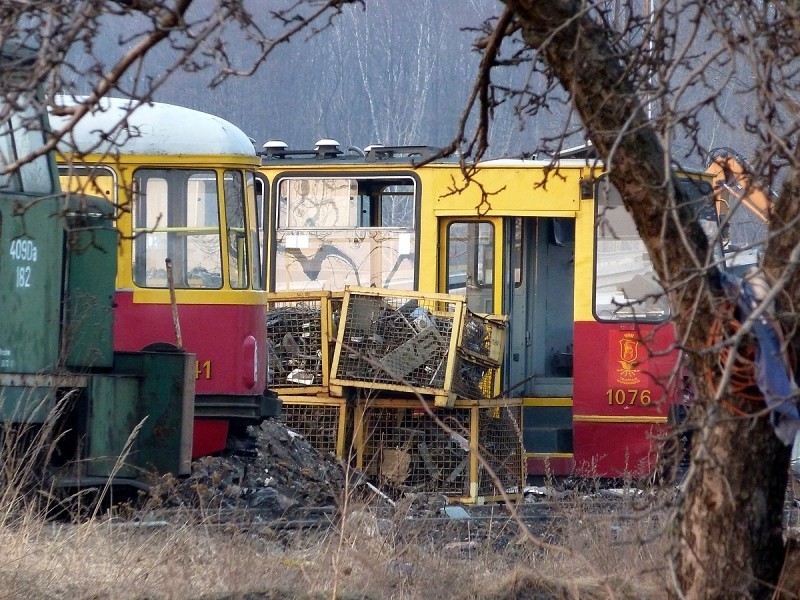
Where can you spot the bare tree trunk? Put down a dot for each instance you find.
(728, 534)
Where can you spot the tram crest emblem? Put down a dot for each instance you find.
(628, 374)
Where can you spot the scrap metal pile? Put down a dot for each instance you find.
(395, 350)
(275, 470)
(294, 344)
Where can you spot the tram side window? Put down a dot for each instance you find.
(338, 231)
(236, 229)
(176, 216)
(93, 181)
(470, 263)
(626, 286)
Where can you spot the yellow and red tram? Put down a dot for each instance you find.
(189, 271)
(589, 346)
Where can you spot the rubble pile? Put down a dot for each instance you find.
(274, 470)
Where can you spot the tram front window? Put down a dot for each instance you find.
(338, 231)
(176, 216)
(626, 286)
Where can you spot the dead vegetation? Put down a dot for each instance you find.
(367, 548)
(363, 556)
(194, 540)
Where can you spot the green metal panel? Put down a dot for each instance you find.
(547, 416)
(151, 391)
(547, 439)
(31, 259)
(26, 404)
(166, 398)
(113, 416)
(92, 266)
(547, 428)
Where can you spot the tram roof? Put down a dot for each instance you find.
(154, 128)
(327, 153)
(356, 161)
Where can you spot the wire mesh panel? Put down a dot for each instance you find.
(297, 342)
(500, 443)
(473, 380)
(397, 341)
(400, 445)
(322, 421)
(406, 448)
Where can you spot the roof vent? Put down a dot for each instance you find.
(274, 149)
(377, 152)
(327, 147)
(278, 144)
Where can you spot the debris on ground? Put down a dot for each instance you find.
(273, 469)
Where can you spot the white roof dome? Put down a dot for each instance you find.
(121, 126)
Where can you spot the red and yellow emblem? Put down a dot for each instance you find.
(628, 374)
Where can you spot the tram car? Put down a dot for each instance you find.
(589, 347)
(95, 415)
(189, 274)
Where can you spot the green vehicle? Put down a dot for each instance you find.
(106, 416)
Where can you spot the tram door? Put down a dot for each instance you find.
(538, 297)
(535, 290)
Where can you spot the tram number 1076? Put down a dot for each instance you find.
(620, 397)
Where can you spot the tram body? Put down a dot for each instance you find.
(589, 346)
(182, 182)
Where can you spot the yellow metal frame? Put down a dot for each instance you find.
(549, 455)
(615, 419)
(474, 406)
(540, 402)
(327, 338)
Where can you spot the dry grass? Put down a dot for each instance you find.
(581, 555)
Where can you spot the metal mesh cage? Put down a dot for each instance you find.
(473, 380)
(500, 443)
(396, 340)
(323, 422)
(406, 448)
(483, 337)
(403, 446)
(294, 343)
